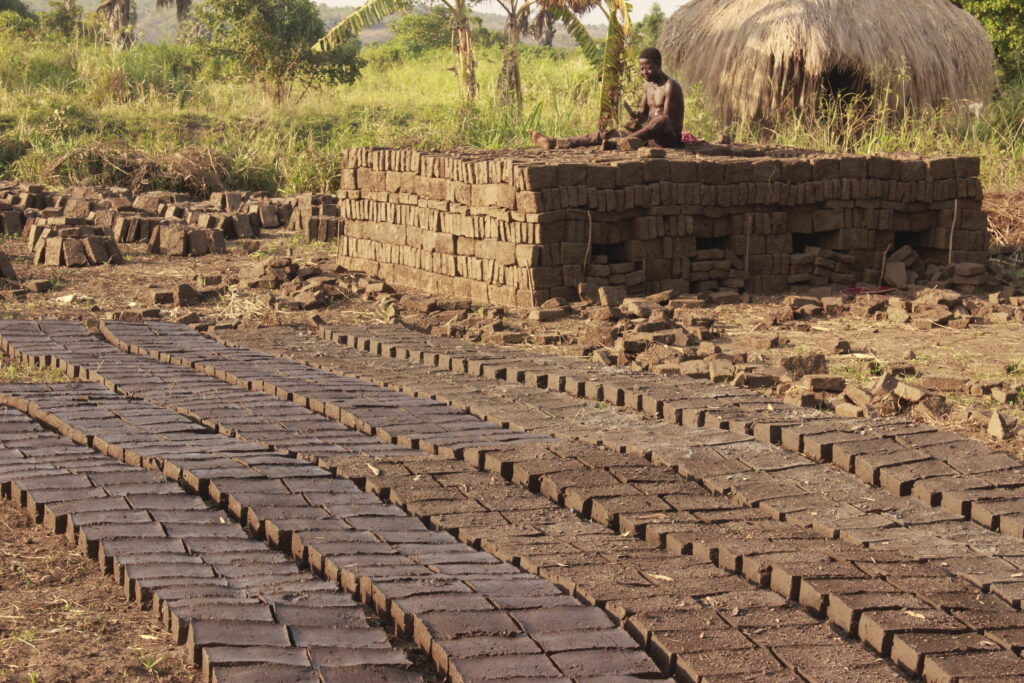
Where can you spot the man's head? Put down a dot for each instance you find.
(650, 63)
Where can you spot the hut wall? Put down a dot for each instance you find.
(516, 230)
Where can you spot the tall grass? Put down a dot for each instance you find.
(159, 115)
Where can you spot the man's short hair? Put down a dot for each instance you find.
(651, 54)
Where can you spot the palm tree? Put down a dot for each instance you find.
(118, 14)
(612, 62)
(518, 22)
(374, 11)
(543, 28)
(183, 7)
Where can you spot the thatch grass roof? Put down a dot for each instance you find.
(761, 58)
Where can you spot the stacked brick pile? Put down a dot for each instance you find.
(178, 239)
(317, 216)
(520, 228)
(23, 196)
(116, 213)
(71, 246)
(237, 215)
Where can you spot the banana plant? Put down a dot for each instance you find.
(374, 11)
(611, 62)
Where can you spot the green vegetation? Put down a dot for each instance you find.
(270, 40)
(1004, 22)
(179, 116)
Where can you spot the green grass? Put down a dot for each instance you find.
(159, 116)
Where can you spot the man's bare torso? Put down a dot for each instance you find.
(657, 96)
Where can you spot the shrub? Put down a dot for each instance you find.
(270, 39)
(1004, 21)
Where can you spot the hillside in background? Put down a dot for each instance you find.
(157, 25)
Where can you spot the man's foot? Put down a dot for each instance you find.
(542, 141)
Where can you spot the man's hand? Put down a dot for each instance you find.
(636, 121)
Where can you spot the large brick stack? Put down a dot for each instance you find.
(517, 228)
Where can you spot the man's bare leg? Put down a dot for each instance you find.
(542, 141)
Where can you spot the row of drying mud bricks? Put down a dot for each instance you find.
(160, 567)
(574, 497)
(513, 233)
(561, 486)
(941, 469)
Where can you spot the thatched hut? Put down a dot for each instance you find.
(758, 59)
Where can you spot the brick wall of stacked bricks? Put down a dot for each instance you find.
(171, 223)
(517, 228)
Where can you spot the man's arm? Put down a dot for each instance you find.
(645, 106)
(667, 108)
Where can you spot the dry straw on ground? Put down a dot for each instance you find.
(761, 58)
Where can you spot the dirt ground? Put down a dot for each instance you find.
(62, 620)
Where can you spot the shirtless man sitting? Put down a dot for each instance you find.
(659, 123)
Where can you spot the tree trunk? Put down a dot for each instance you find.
(118, 14)
(546, 34)
(464, 48)
(611, 73)
(510, 87)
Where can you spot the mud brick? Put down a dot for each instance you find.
(501, 667)
(989, 513)
(960, 502)
(1011, 525)
(839, 656)
(367, 673)
(845, 610)
(844, 455)
(225, 657)
(320, 636)
(482, 646)
(554, 484)
(793, 436)
(786, 578)
(815, 594)
(868, 465)
(346, 655)
(900, 479)
(608, 510)
(206, 633)
(78, 519)
(752, 663)
(553, 619)
(910, 649)
(95, 250)
(604, 662)
(877, 627)
(74, 253)
(56, 514)
(229, 671)
(981, 464)
(89, 537)
(967, 665)
(819, 447)
(932, 490)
